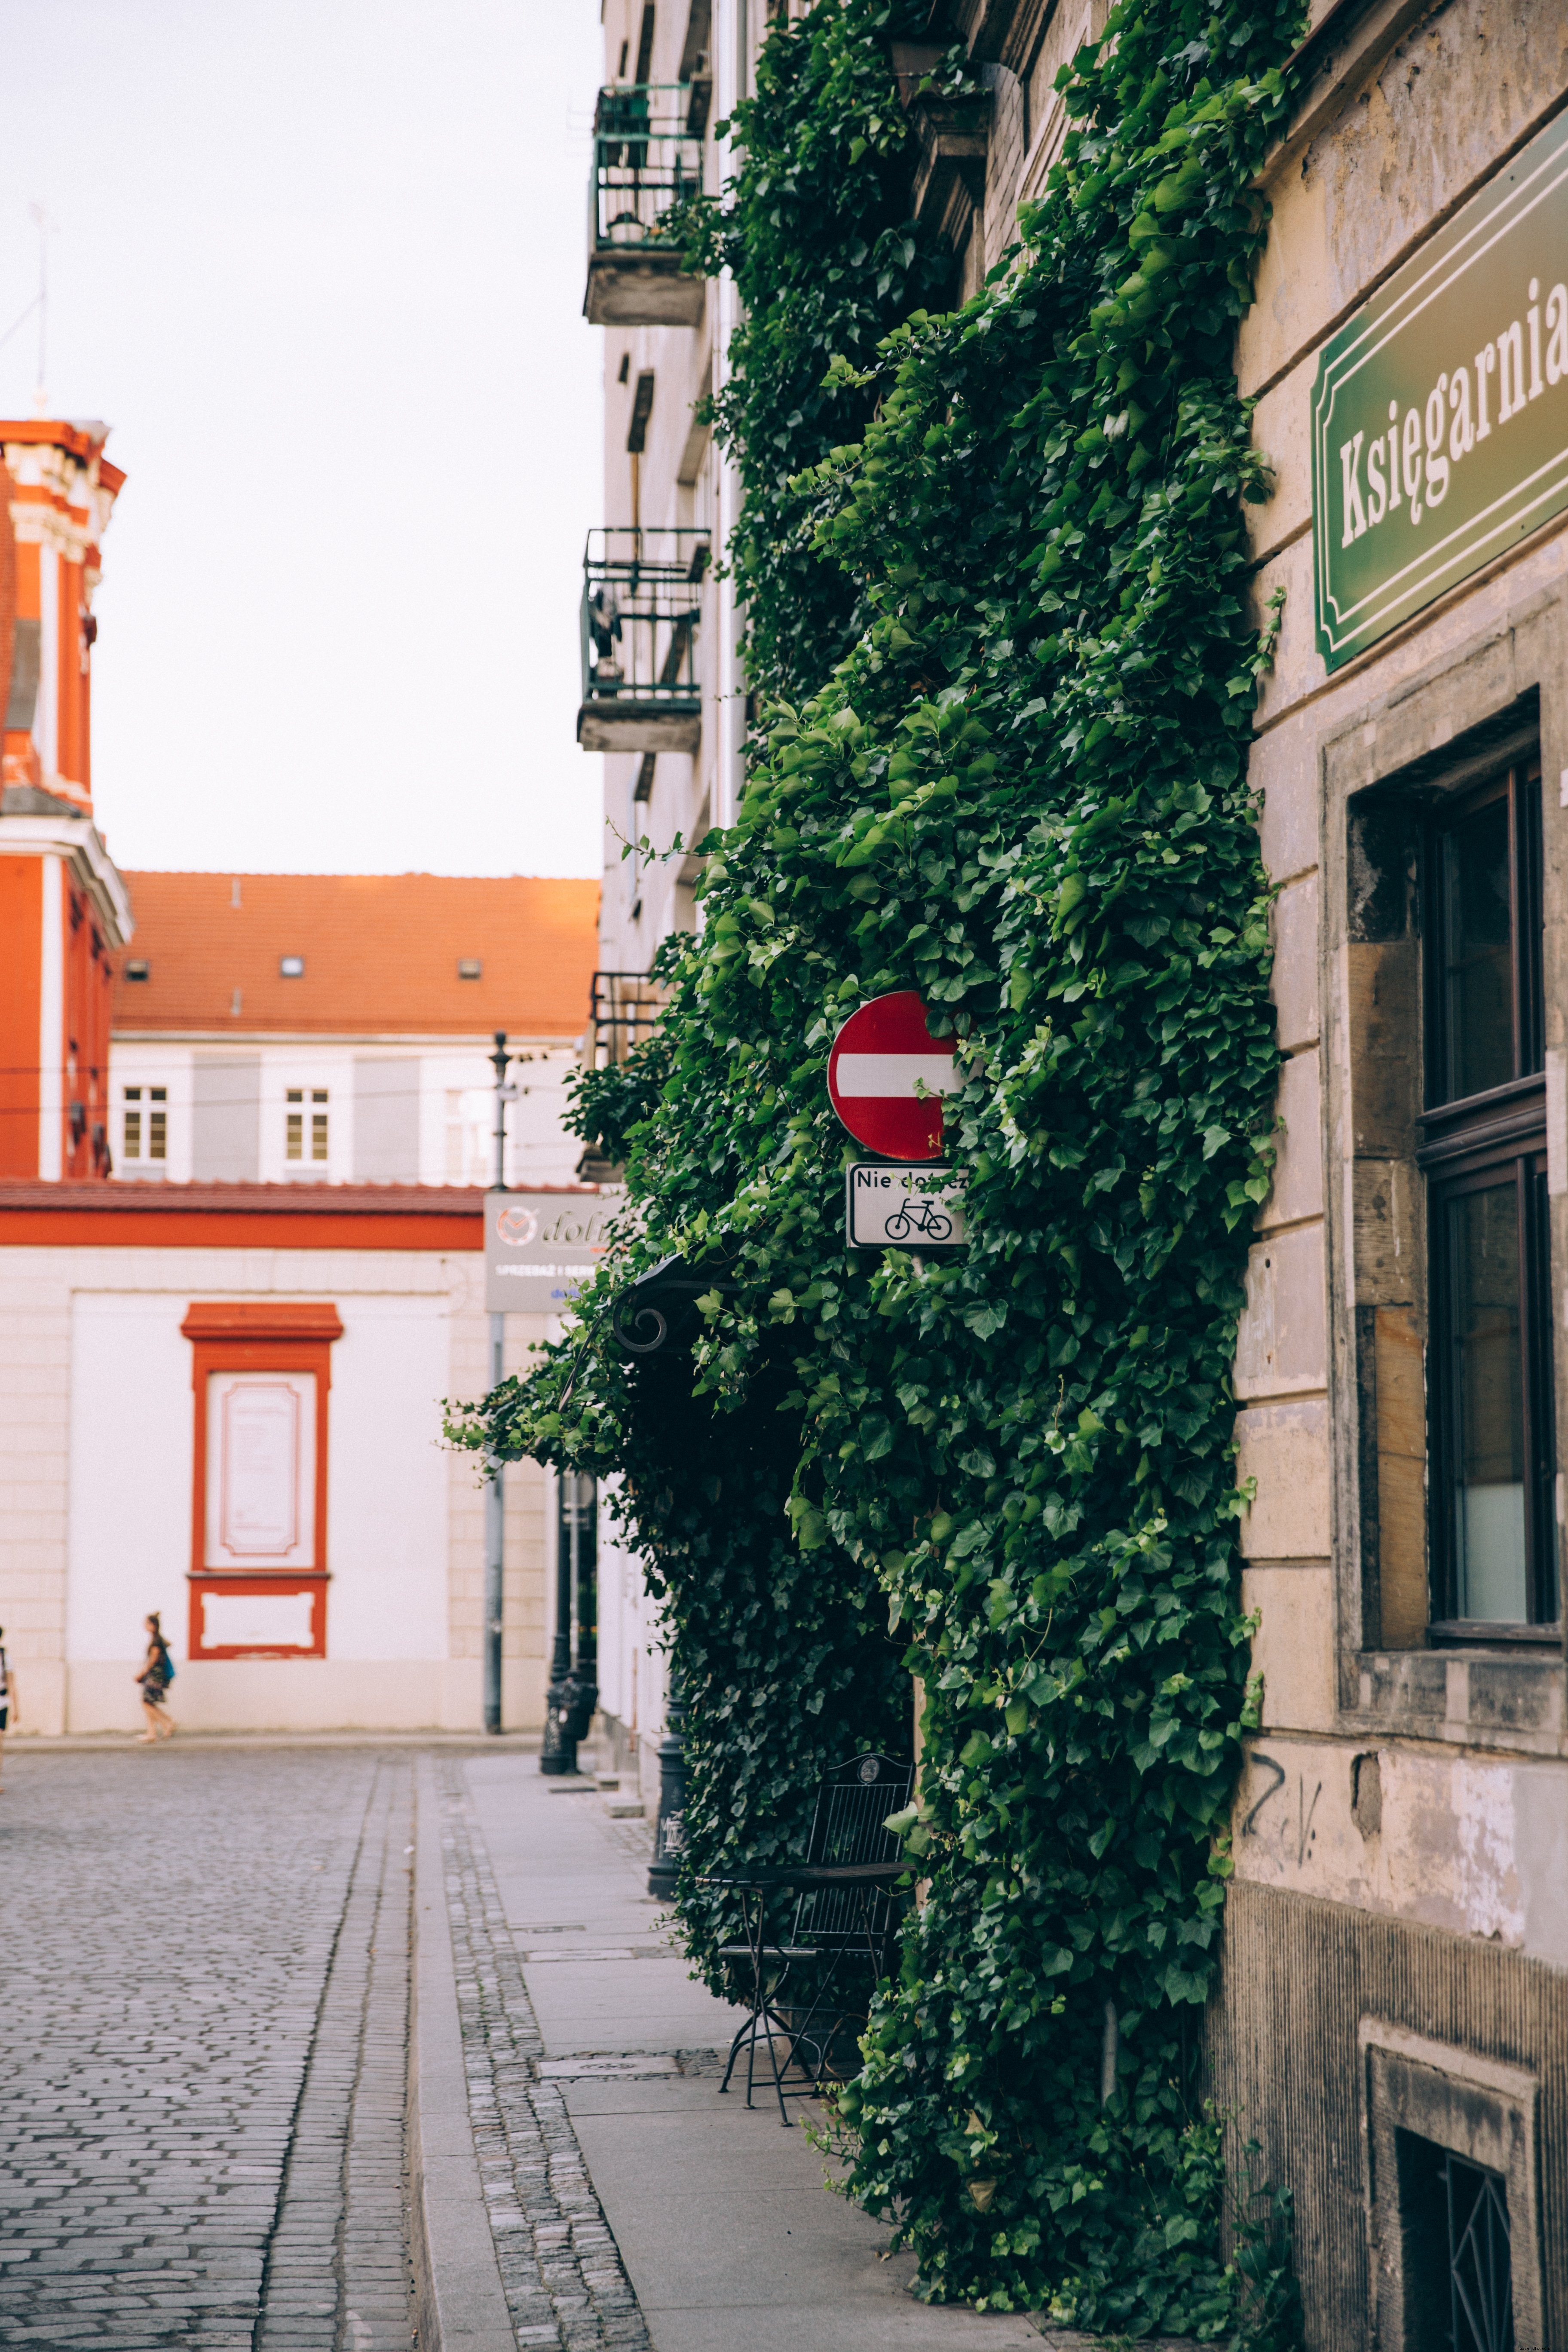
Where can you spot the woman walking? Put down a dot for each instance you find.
(154, 1675)
(9, 1705)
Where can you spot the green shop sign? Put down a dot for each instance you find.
(1440, 411)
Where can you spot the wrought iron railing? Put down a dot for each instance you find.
(647, 157)
(623, 1012)
(641, 603)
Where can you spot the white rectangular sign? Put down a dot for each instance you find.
(542, 1247)
(261, 1470)
(258, 1621)
(918, 1206)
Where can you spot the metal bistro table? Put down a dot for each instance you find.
(857, 1920)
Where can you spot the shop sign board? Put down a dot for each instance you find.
(1440, 410)
(916, 1207)
(542, 1247)
(886, 1075)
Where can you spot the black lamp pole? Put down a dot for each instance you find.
(559, 1750)
(669, 1830)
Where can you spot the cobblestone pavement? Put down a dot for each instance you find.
(202, 2051)
(560, 2266)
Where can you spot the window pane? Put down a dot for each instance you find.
(157, 1131)
(1488, 1500)
(318, 1135)
(133, 1135)
(295, 1147)
(1477, 974)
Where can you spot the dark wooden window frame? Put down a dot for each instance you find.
(1482, 1141)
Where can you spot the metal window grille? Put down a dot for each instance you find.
(1480, 2258)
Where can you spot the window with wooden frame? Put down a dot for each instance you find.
(145, 1130)
(305, 1129)
(1491, 1455)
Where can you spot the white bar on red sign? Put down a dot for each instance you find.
(895, 1075)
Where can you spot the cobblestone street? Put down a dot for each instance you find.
(309, 2048)
(206, 1999)
(204, 2043)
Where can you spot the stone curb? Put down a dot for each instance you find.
(458, 2298)
(19, 1744)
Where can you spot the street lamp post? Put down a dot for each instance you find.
(558, 1752)
(669, 1830)
(495, 1494)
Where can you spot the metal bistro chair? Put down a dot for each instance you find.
(845, 1910)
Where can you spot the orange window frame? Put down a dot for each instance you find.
(242, 1336)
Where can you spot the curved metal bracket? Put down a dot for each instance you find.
(645, 1314)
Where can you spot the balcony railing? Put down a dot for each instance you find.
(647, 157)
(624, 1009)
(642, 599)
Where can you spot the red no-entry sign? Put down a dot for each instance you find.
(881, 1058)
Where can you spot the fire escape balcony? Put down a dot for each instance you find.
(642, 598)
(647, 158)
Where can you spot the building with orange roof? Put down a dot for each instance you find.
(335, 1027)
(244, 1125)
(63, 908)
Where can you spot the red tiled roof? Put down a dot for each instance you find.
(381, 954)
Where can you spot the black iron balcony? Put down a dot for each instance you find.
(647, 157)
(623, 1011)
(642, 595)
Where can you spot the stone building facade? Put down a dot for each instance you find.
(1393, 2026)
(1392, 2023)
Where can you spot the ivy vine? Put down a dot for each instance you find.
(816, 227)
(1022, 791)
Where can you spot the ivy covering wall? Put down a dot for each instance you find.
(1022, 791)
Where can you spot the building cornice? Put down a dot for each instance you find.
(437, 1219)
(474, 1041)
(77, 840)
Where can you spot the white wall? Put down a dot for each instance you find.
(152, 1065)
(386, 1485)
(131, 1435)
(455, 1109)
(130, 1477)
(96, 1491)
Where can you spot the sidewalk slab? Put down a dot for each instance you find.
(726, 2229)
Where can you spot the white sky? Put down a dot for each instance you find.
(319, 263)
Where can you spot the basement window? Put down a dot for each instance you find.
(138, 969)
(1454, 2212)
(470, 967)
(291, 967)
(1454, 2220)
